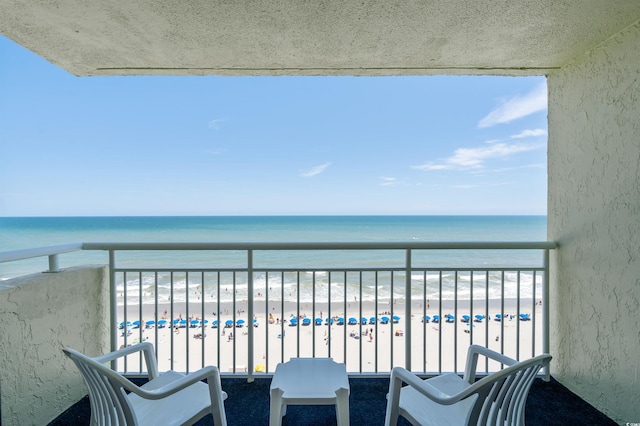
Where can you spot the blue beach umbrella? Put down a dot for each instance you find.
(427, 318)
(122, 324)
(436, 318)
(194, 323)
(372, 320)
(479, 318)
(396, 318)
(340, 321)
(306, 321)
(318, 321)
(239, 323)
(328, 321)
(150, 323)
(136, 324)
(214, 324)
(228, 323)
(293, 322)
(384, 320)
(450, 318)
(364, 321)
(525, 317)
(498, 317)
(466, 318)
(176, 321)
(353, 321)
(183, 323)
(162, 323)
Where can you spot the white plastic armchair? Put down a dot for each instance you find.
(170, 398)
(497, 399)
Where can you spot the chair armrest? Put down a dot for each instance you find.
(210, 373)
(145, 347)
(401, 375)
(472, 361)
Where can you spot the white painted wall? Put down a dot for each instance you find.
(594, 214)
(40, 314)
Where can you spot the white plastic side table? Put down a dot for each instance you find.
(309, 381)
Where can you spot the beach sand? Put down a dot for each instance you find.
(435, 347)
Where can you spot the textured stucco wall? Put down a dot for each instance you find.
(594, 214)
(40, 314)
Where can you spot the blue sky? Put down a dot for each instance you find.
(85, 146)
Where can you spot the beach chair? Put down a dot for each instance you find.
(496, 399)
(170, 398)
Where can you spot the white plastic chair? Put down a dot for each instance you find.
(497, 399)
(170, 398)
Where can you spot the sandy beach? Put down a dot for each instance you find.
(364, 348)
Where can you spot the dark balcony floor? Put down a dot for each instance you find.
(549, 403)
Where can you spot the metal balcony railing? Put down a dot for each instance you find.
(247, 306)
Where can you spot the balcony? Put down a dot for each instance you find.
(274, 301)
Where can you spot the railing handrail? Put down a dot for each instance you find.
(15, 255)
(433, 245)
(30, 253)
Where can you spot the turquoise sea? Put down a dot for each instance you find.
(30, 232)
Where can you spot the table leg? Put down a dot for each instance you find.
(342, 406)
(275, 408)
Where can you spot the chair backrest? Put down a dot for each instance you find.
(502, 395)
(109, 403)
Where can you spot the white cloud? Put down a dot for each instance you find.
(392, 181)
(315, 170)
(517, 107)
(529, 134)
(473, 158)
(215, 123)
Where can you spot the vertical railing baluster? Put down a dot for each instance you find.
(346, 317)
(187, 318)
(140, 320)
(455, 321)
(375, 314)
(440, 323)
(298, 325)
(202, 318)
(545, 311)
(113, 306)
(282, 331)
(534, 316)
(518, 316)
(407, 305)
(502, 313)
(313, 314)
(172, 314)
(250, 315)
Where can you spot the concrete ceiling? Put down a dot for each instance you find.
(313, 37)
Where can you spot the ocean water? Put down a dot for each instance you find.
(23, 233)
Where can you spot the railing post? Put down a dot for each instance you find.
(407, 304)
(53, 263)
(113, 305)
(250, 293)
(545, 312)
